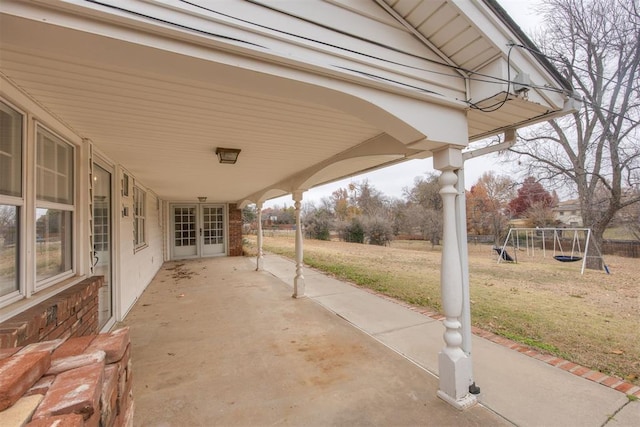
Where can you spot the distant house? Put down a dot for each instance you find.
(568, 213)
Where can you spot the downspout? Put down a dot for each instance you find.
(461, 223)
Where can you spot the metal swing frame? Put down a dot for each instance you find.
(530, 237)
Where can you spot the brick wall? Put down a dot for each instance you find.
(235, 231)
(71, 313)
(82, 381)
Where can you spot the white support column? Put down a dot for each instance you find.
(260, 256)
(298, 281)
(454, 365)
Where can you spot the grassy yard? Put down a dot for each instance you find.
(591, 319)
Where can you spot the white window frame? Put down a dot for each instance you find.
(28, 203)
(139, 218)
(19, 203)
(66, 207)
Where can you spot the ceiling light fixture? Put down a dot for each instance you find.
(227, 155)
(202, 199)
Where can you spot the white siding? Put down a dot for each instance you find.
(138, 267)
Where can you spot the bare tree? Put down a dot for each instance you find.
(596, 44)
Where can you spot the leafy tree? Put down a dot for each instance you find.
(425, 192)
(370, 201)
(487, 203)
(424, 206)
(249, 214)
(352, 231)
(318, 223)
(539, 214)
(283, 215)
(378, 231)
(596, 44)
(529, 194)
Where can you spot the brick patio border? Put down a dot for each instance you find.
(573, 368)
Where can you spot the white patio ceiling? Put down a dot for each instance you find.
(161, 113)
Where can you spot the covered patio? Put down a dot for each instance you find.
(128, 105)
(217, 343)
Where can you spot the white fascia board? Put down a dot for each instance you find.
(496, 33)
(410, 116)
(235, 37)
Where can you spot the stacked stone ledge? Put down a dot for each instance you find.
(81, 381)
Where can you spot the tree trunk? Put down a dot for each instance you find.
(594, 257)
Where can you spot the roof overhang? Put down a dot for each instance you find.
(157, 86)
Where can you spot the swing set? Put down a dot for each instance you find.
(535, 240)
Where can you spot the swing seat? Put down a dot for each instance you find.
(567, 258)
(503, 253)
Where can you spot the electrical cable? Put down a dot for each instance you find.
(494, 80)
(444, 64)
(498, 105)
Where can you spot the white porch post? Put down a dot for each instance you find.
(298, 281)
(454, 365)
(260, 256)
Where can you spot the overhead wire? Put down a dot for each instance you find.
(468, 76)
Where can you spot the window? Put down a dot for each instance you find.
(11, 200)
(139, 212)
(45, 212)
(54, 206)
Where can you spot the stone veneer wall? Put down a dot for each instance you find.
(78, 382)
(70, 313)
(235, 230)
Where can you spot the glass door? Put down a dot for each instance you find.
(212, 230)
(185, 236)
(198, 230)
(102, 241)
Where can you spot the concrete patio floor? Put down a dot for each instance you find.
(216, 343)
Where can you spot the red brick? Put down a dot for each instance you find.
(596, 376)
(610, 381)
(556, 361)
(633, 390)
(94, 420)
(66, 420)
(125, 418)
(41, 386)
(109, 397)
(8, 338)
(568, 366)
(113, 344)
(64, 364)
(8, 352)
(18, 373)
(49, 346)
(76, 391)
(624, 387)
(545, 357)
(580, 371)
(44, 332)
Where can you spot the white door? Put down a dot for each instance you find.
(185, 241)
(197, 230)
(212, 230)
(102, 241)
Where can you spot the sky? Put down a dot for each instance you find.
(391, 180)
